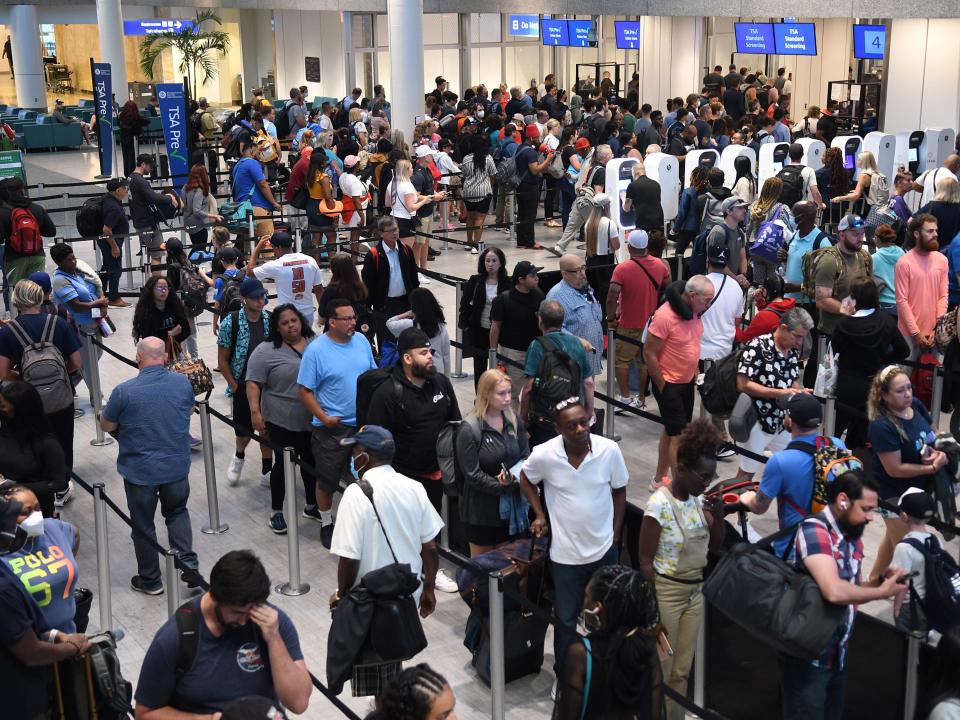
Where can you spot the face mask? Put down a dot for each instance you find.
(354, 470)
(480, 113)
(590, 619)
(33, 524)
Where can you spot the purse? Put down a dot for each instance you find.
(194, 369)
(774, 601)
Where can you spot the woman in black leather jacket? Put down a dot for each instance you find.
(478, 294)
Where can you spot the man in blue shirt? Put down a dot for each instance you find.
(150, 416)
(789, 474)
(328, 389)
(249, 183)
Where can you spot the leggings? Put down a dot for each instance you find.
(300, 442)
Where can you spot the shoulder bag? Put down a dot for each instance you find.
(194, 369)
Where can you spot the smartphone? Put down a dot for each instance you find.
(904, 579)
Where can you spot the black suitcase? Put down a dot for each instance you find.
(523, 639)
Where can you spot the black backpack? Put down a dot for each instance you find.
(792, 179)
(718, 393)
(188, 619)
(111, 692)
(942, 576)
(230, 298)
(196, 125)
(367, 384)
(90, 217)
(283, 121)
(557, 378)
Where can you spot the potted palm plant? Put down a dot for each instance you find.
(198, 47)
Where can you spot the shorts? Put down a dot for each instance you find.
(373, 679)
(676, 406)
(627, 351)
(243, 422)
(761, 442)
(406, 227)
(486, 534)
(354, 220)
(479, 206)
(265, 227)
(150, 240)
(426, 226)
(332, 458)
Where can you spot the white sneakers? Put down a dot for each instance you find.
(233, 472)
(265, 480)
(424, 280)
(444, 583)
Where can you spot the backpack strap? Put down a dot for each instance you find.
(20, 333)
(368, 491)
(49, 327)
(588, 676)
(188, 638)
(234, 331)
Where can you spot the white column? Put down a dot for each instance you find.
(110, 26)
(405, 31)
(27, 59)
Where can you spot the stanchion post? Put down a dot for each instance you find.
(911, 682)
(250, 227)
(458, 350)
(128, 254)
(93, 384)
(294, 586)
(497, 655)
(700, 662)
(173, 583)
(830, 416)
(64, 197)
(492, 358)
(610, 431)
(214, 527)
(936, 399)
(103, 557)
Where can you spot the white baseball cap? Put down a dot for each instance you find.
(638, 239)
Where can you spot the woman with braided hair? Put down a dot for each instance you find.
(614, 672)
(417, 693)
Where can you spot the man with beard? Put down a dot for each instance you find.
(829, 547)
(837, 269)
(920, 280)
(223, 645)
(414, 404)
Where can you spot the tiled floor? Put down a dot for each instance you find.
(245, 508)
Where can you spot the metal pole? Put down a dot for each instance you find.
(214, 527)
(830, 416)
(609, 431)
(64, 197)
(936, 400)
(298, 235)
(128, 255)
(911, 683)
(173, 583)
(821, 347)
(457, 350)
(497, 657)
(508, 215)
(294, 587)
(103, 557)
(700, 662)
(250, 227)
(93, 384)
(492, 358)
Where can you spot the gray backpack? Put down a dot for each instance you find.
(44, 367)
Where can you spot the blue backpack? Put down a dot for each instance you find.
(770, 238)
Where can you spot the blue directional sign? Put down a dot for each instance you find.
(154, 26)
(554, 32)
(524, 26)
(582, 33)
(795, 38)
(628, 34)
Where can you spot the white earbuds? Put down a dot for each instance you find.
(843, 506)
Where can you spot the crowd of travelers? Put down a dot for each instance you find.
(354, 373)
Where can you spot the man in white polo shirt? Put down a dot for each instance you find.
(585, 483)
(295, 275)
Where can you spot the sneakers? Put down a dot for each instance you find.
(195, 443)
(655, 484)
(312, 512)
(474, 250)
(326, 535)
(444, 584)
(553, 690)
(424, 280)
(278, 524)
(140, 585)
(726, 450)
(233, 472)
(555, 251)
(265, 480)
(62, 498)
(632, 401)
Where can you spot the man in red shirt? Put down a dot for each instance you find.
(298, 179)
(631, 300)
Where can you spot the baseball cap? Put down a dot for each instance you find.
(281, 238)
(731, 203)
(601, 200)
(114, 183)
(373, 437)
(917, 504)
(581, 144)
(42, 279)
(253, 707)
(804, 410)
(717, 254)
(350, 160)
(252, 288)
(359, 127)
(174, 245)
(229, 254)
(423, 151)
(638, 239)
(851, 222)
(531, 131)
(471, 121)
(412, 339)
(524, 268)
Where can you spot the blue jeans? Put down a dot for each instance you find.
(110, 273)
(569, 582)
(808, 692)
(567, 196)
(142, 503)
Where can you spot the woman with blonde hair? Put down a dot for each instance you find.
(902, 436)
(767, 208)
(491, 440)
(602, 236)
(551, 139)
(865, 187)
(405, 200)
(808, 126)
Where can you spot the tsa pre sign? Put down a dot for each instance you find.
(103, 95)
(173, 116)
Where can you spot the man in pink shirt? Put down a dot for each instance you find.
(671, 353)
(920, 282)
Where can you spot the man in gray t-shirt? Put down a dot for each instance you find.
(296, 112)
(728, 235)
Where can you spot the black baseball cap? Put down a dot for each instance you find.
(524, 268)
(114, 184)
(803, 410)
(717, 254)
(281, 238)
(917, 504)
(411, 339)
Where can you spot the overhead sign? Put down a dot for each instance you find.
(173, 118)
(103, 101)
(754, 38)
(628, 34)
(795, 38)
(554, 32)
(869, 41)
(154, 26)
(524, 26)
(582, 33)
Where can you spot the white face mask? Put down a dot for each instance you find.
(480, 113)
(33, 524)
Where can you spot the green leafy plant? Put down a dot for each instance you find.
(198, 49)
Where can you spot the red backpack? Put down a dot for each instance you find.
(25, 233)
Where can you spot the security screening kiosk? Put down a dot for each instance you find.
(619, 175)
(773, 156)
(729, 156)
(813, 151)
(936, 145)
(705, 158)
(884, 149)
(850, 146)
(665, 169)
(907, 151)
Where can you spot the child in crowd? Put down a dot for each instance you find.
(916, 507)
